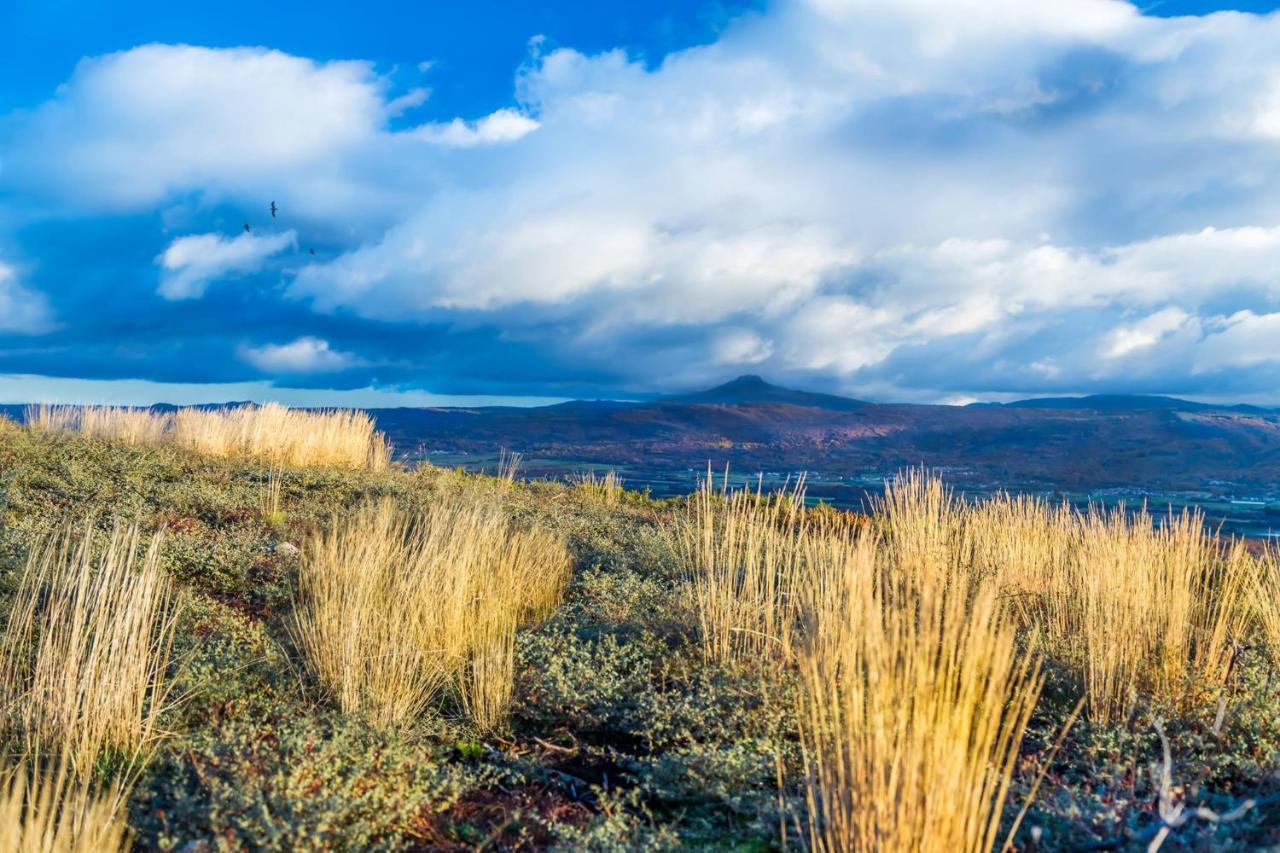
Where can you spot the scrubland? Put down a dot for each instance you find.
(219, 633)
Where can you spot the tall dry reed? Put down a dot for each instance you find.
(84, 655)
(392, 608)
(52, 812)
(605, 488)
(1266, 600)
(914, 699)
(743, 552)
(117, 423)
(1142, 612)
(917, 637)
(339, 438)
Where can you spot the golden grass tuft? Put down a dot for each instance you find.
(269, 497)
(1266, 598)
(914, 700)
(51, 812)
(84, 655)
(117, 423)
(392, 608)
(509, 463)
(339, 438)
(744, 557)
(1141, 612)
(605, 488)
(918, 637)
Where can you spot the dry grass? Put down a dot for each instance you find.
(508, 465)
(84, 655)
(1266, 598)
(269, 498)
(392, 608)
(117, 423)
(744, 555)
(338, 438)
(907, 634)
(606, 488)
(915, 697)
(51, 812)
(1141, 612)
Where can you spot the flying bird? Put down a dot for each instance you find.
(247, 229)
(313, 251)
(273, 210)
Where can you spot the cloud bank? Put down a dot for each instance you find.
(927, 200)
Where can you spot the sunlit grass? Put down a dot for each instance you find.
(393, 607)
(52, 811)
(339, 438)
(84, 655)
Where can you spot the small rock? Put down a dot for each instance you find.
(286, 549)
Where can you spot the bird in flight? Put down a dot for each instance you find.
(313, 251)
(247, 229)
(273, 210)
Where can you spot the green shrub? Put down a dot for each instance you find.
(313, 783)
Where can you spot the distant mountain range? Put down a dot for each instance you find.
(752, 390)
(1100, 441)
(1089, 442)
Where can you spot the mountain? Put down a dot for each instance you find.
(1126, 403)
(751, 390)
(1079, 444)
(1082, 443)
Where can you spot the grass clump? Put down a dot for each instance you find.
(393, 607)
(743, 553)
(915, 696)
(1140, 612)
(53, 812)
(84, 655)
(338, 437)
(606, 488)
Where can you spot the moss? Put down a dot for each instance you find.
(314, 783)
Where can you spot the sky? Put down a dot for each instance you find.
(476, 202)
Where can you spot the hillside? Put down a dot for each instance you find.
(635, 696)
(753, 426)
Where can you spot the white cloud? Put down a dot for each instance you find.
(192, 263)
(304, 355)
(22, 311)
(129, 129)
(505, 125)
(1244, 339)
(741, 347)
(931, 196)
(1146, 333)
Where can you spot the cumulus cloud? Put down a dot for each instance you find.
(190, 264)
(129, 129)
(22, 311)
(504, 125)
(929, 199)
(304, 355)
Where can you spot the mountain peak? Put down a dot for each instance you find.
(746, 382)
(751, 389)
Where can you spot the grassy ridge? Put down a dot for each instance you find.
(370, 659)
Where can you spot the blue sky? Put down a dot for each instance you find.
(934, 200)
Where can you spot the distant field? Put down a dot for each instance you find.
(1256, 518)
